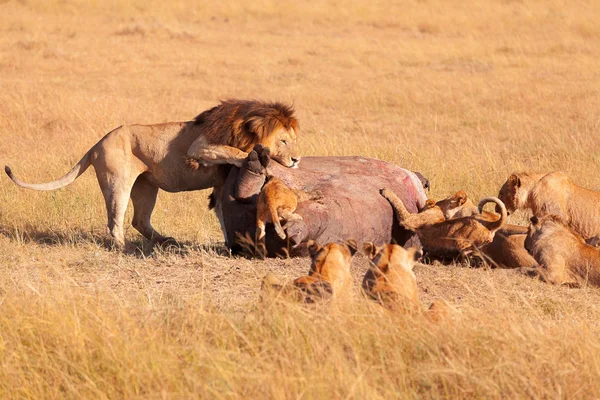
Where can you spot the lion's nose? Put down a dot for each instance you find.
(295, 161)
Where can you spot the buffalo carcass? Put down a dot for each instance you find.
(343, 202)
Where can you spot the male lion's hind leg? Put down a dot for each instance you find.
(143, 196)
(116, 189)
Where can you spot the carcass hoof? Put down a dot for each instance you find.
(296, 230)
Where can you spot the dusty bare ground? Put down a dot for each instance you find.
(465, 92)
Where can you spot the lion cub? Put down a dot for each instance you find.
(391, 280)
(564, 257)
(329, 275)
(276, 201)
(448, 238)
(433, 212)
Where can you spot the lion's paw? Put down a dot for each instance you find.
(264, 154)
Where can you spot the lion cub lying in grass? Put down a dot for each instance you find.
(391, 280)
(329, 275)
(563, 255)
(451, 237)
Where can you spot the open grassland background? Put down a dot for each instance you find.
(464, 91)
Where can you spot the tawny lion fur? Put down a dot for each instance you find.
(391, 281)
(431, 213)
(329, 275)
(449, 237)
(330, 268)
(276, 202)
(459, 205)
(135, 161)
(554, 194)
(507, 249)
(562, 254)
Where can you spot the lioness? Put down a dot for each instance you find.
(554, 194)
(329, 273)
(391, 281)
(135, 161)
(562, 254)
(449, 237)
(508, 251)
(457, 205)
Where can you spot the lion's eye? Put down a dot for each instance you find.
(284, 142)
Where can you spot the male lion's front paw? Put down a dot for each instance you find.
(252, 163)
(264, 154)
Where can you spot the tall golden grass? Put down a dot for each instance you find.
(465, 92)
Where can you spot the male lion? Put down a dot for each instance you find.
(135, 161)
(562, 254)
(390, 280)
(554, 194)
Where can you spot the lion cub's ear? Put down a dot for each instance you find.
(461, 197)
(514, 180)
(370, 250)
(416, 253)
(352, 246)
(313, 247)
(430, 203)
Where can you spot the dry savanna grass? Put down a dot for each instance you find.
(465, 92)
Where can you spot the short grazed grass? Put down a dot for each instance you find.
(465, 92)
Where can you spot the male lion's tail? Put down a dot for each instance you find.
(68, 178)
(494, 226)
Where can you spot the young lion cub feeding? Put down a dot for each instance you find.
(275, 202)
